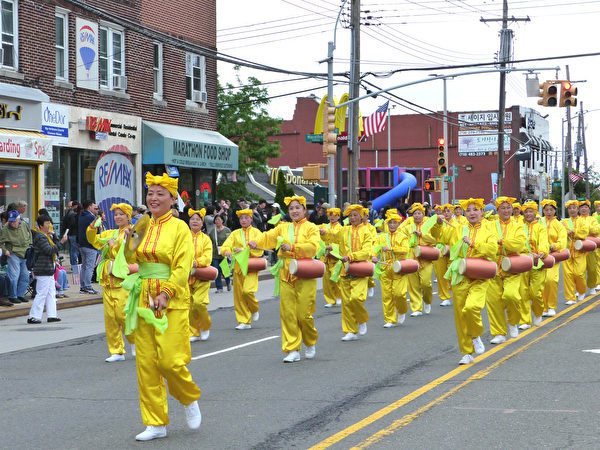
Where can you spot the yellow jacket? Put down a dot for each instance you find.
(582, 230)
(593, 225)
(538, 237)
(520, 219)
(557, 233)
(335, 227)
(239, 239)
(484, 240)
(429, 239)
(94, 238)
(202, 255)
(397, 241)
(511, 237)
(356, 242)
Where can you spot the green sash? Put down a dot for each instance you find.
(540, 262)
(105, 250)
(457, 253)
(276, 269)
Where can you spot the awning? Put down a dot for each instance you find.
(187, 147)
(536, 143)
(25, 145)
(23, 93)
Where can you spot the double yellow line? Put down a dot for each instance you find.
(402, 422)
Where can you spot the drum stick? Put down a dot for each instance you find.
(448, 223)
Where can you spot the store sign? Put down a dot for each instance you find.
(25, 148)
(97, 124)
(20, 114)
(52, 204)
(290, 178)
(483, 118)
(86, 40)
(201, 155)
(114, 183)
(55, 123)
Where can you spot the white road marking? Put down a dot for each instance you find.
(594, 350)
(235, 347)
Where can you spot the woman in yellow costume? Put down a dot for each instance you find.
(419, 283)
(160, 295)
(574, 268)
(459, 215)
(504, 298)
(475, 240)
(365, 221)
(355, 244)
(331, 290)
(394, 246)
(517, 213)
(199, 318)
(114, 296)
(441, 265)
(596, 216)
(297, 296)
(244, 286)
(532, 282)
(557, 241)
(591, 257)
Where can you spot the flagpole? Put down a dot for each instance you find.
(389, 164)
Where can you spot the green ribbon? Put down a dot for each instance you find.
(428, 225)
(279, 242)
(133, 284)
(225, 268)
(346, 221)
(413, 237)
(98, 222)
(275, 272)
(378, 270)
(335, 251)
(457, 253)
(120, 266)
(322, 249)
(242, 259)
(540, 262)
(274, 220)
(105, 249)
(337, 270)
(488, 214)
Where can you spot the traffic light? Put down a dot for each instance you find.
(567, 94)
(429, 185)
(442, 161)
(549, 93)
(329, 135)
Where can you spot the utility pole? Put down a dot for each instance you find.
(353, 148)
(504, 56)
(444, 191)
(584, 148)
(331, 159)
(568, 148)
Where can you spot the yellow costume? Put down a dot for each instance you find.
(574, 268)
(373, 230)
(596, 216)
(592, 260)
(331, 290)
(441, 265)
(557, 237)
(199, 317)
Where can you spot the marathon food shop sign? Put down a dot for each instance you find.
(203, 155)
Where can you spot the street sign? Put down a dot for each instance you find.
(556, 184)
(318, 138)
(448, 179)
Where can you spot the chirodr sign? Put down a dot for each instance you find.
(114, 182)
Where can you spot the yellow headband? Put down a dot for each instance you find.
(357, 208)
(548, 202)
(365, 212)
(242, 212)
(532, 205)
(391, 211)
(448, 206)
(585, 202)
(395, 217)
(596, 203)
(334, 211)
(516, 205)
(127, 209)
(500, 200)
(201, 212)
(164, 180)
(572, 202)
(478, 202)
(298, 198)
(417, 206)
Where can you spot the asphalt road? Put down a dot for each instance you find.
(393, 388)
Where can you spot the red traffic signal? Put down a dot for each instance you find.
(568, 92)
(441, 159)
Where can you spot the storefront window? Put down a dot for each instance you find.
(16, 183)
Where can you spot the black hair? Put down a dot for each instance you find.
(86, 203)
(42, 218)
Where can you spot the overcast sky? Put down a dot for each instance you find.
(293, 35)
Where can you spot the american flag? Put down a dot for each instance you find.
(575, 177)
(376, 121)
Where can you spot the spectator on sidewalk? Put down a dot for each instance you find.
(138, 212)
(218, 236)
(15, 238)
(88, 252)
(71, 228)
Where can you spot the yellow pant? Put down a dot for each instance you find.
(296, 307)
(419, 286)
(469, 300)
(504, 300)
(592, 269)
(598, 266)
(199, 317)
(114, 299)
(550, 294)
(160, 358)
(331, 290)
(354, 294)
(371, 283)
(532, 286)
(574, 276)
(440, 267)
(393, 295)
(244, 302)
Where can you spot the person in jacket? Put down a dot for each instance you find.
(70, 225)
(574, 268)
(557, 241)
(373, 230)
(46, 251)
(441, 265)
(15, 239)
(331, 289)
(218, 236)
(591, 258)
(88, 252)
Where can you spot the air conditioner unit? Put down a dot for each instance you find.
(199, 96)
(120, 82)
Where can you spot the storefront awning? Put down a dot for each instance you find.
(25, 145)
(536, 143)
(187, 147)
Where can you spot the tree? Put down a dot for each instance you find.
(282, 191)
(242, 118)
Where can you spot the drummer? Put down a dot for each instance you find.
(503, 298)
(393, 285)
(592, 260)
(574, 268)
(557, 240)
(596, 216)
(297, 295)
(199, 318)
(441, 265)
(516, 213)
(244, 286)
(470, 294)
(331, 290)
(356, 243)
(532, 282)
(373, 230)
(459, 215)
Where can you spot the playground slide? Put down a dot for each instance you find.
(407, 182)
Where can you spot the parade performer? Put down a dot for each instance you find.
(199, 318)
(503, 298)
(298, 239)
(517, 213)
(373, 230)
(164, 256)
(331, 290)
(244, 285)
(596, 216)
(532, 282)
(557, 240)
(393, 245)
(355, 244)
(592, 260)
(574, 268)
(475, 240)
(441, 265)
(459, 215)
(114, 296)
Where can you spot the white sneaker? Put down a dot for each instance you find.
(194, 338)
(513, 330)
(591, 291)
(524, 326)
(338, 302)
(255, 316)
(426, 308)
(466, 359)
(416, 314)
(545, 314)
(389, 325)
(204, 335)
(193, 415)
(446, 303)
(537, 321)
(329, 305)
(152, 432)
(478, 345)
(115, 358)
(551, 312)
(370, 292)
(293, 356)
(498, 339)
(570, 302)
(243, 326)
(310, 352)
(133, 350)
(401, 318)
(362, 328)
(580, 297)
(350, 337)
